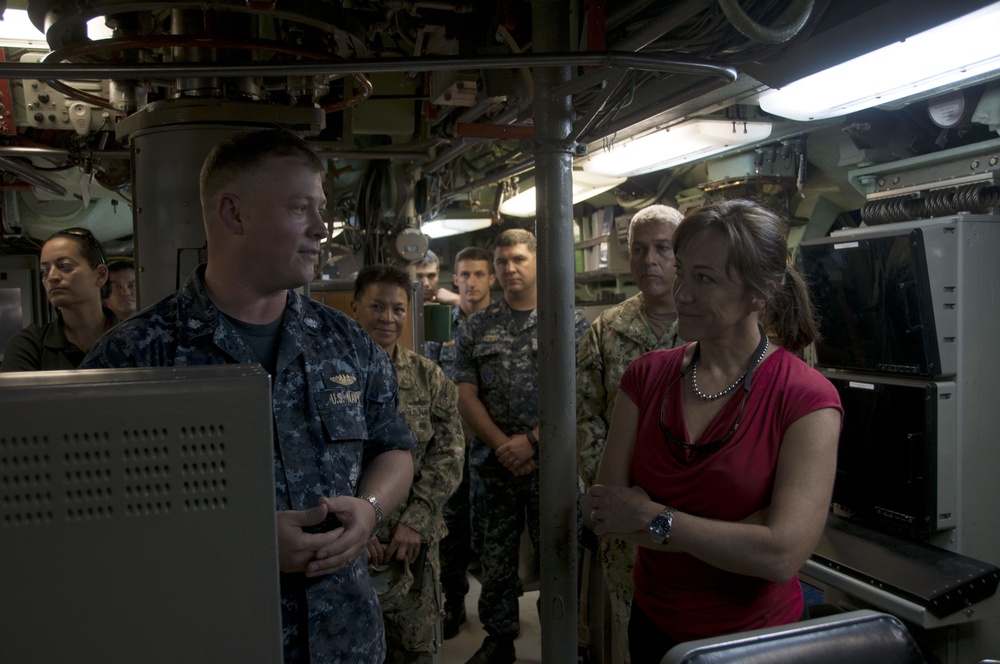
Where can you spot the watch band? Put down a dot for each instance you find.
(661, 525)
(378, 511)
(531, 437)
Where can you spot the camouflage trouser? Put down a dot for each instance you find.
(411, 612)
(456, 553)
(463, 517)
(508, 501)
(618, 558)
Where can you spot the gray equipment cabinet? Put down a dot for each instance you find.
(137, 516)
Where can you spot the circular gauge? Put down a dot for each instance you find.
(948, 110)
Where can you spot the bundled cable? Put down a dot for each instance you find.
(979, 198)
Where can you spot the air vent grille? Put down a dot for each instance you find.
(105, 474)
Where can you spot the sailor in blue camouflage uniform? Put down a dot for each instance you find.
(341, 452)
(403, 556)
(474, 277)
(497, 376)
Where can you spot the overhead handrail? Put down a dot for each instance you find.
(614, 59)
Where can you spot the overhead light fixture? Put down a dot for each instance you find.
(954, 51)
(457, 222)
(585, 185)
(673, 146)
(17, 30)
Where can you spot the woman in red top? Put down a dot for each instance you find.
(721, 454)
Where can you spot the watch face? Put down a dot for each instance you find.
(659, 527)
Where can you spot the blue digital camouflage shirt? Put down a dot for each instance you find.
(501, 360)
(334, 400)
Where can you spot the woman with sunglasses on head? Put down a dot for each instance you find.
(721, 454)
(75, 276)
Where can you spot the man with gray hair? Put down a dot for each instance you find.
(621, 333)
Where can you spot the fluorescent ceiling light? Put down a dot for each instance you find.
(676, 145)
(585, 185)
(960, 49)
(17, 30)
(460, 223)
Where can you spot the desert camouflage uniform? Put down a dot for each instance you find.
(430, 403)
(619, 335)
(500, 359)
(335, 409)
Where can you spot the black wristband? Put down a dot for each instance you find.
(531, 438)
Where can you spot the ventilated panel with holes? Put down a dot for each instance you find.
(137, 509)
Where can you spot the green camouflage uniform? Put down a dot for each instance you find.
(619, 335)
(409, 595)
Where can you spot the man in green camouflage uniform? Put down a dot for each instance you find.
(620, 334)
(403, 554)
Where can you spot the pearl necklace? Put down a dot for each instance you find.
(718, 395)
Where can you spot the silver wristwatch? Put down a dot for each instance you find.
(378, 511)
(659, 527)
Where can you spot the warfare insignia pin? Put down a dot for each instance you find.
(343, 379)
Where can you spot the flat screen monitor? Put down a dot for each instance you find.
(897, 458)
(137, 516)
(873, 299)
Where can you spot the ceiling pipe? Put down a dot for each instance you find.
(464, 145)
(719, 74)
(791, 21)
(623, 13)
(661, 25)
(361, 154)
(23, 151)
(723, 73)
(32, 177)
(649, 33)
(649, 117)
(492, 178)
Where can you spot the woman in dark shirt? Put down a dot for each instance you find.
(74, 273)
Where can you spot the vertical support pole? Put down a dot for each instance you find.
(556, 347)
